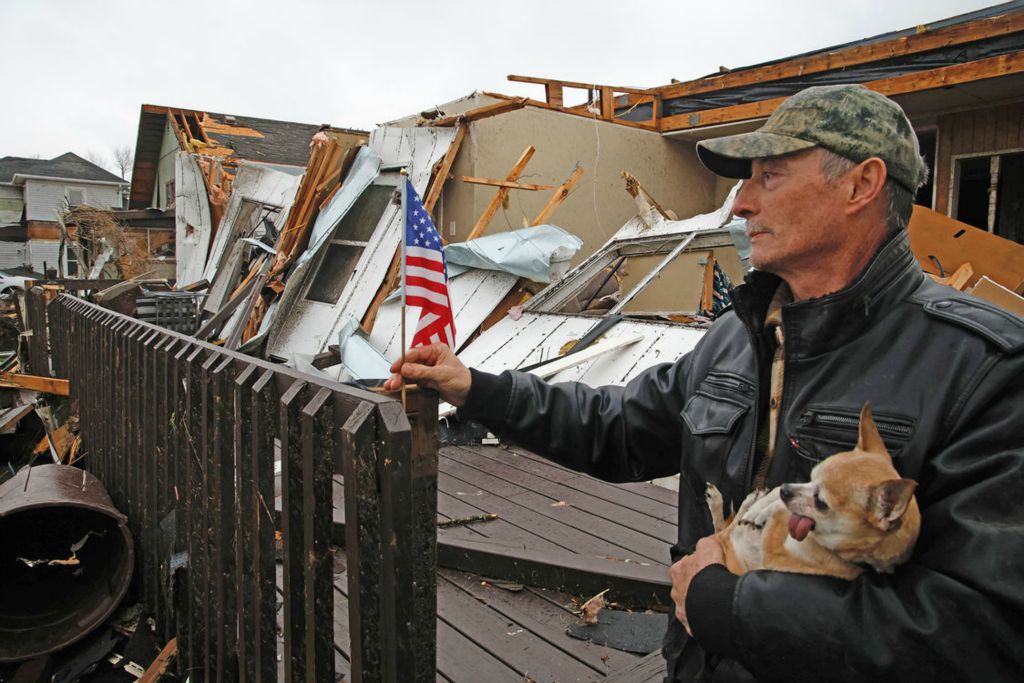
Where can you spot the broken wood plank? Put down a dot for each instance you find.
(484, 112)
(505, 183)
(210, 327)
(499, 198)
(707, 292)
(159, 666)
(46, 385)
(558, 197)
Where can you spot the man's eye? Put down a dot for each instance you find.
(767, 175)
(819, 503)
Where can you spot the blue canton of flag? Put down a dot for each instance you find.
(426, 275)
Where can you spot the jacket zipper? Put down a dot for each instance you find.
(853, 423)
(727, 383)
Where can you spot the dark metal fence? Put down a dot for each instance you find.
(185, 436)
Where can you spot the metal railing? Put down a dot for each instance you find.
(185, 435)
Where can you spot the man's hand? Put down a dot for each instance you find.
(434, 367)
(707, 552)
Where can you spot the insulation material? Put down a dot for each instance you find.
(541, 253)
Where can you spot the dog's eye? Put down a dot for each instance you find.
(819, 503)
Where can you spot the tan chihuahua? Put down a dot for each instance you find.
(855, 512)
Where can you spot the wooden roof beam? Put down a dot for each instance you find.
(982, 69)
(1004, 24)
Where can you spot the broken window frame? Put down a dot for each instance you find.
(956, 170)
(387, 178)
(672, 245)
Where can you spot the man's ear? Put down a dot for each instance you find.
(890, 500)
(867, 181)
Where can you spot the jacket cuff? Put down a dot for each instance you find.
(488, 397)
(709, 609)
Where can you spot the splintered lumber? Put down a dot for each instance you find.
(505, 183)
(433, 194)
(499, 199)
(558, 197)
(445, 168)
(45, 385)
(159, 666)
(634, 188)
(707, 292)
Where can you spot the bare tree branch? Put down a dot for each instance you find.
(124, 160)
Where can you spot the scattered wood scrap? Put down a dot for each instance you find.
(46, 385)
(466, 521)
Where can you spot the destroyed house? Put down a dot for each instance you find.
(229, 138)
(33, 192)
(960, 80)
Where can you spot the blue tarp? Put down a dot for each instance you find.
(529, 252)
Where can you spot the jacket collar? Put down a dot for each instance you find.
(814, 326)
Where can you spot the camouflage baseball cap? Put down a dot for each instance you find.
(850, 120)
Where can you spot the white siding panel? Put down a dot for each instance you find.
(45, 198)
(13, 254)
(43, 251)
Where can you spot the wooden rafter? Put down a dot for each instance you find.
(558, 197)
(948, 36)
(991, 67)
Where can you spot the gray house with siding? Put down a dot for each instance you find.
(33, 191)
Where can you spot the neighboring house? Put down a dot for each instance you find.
(32, 194)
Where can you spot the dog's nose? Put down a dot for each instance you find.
(786, 493)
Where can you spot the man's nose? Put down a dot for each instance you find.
(743, 205)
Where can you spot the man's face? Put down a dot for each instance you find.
(794, 216)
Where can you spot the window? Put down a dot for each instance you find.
(346, 245)
(661, 278)
(926, 141)
(75, 196)
(989, 193)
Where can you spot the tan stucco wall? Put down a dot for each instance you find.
(599, 204)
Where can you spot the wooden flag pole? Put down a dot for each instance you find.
(405, 217)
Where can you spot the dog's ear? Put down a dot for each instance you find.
(869, 439)
(890, 500)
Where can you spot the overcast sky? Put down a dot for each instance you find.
(76, 71)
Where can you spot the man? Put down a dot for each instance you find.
(836, 312)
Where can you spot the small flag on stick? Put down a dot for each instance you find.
(426, 275)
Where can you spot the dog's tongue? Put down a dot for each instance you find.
(800, 526)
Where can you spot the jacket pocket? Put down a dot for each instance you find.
(825, 431)
(707, 413)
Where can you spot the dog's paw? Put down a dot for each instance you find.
(715, 504)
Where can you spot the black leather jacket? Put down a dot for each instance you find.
(944, 373)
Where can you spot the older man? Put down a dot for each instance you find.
(836, 312)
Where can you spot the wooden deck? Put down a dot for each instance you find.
(563, 535)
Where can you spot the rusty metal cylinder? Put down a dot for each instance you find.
(66, 559)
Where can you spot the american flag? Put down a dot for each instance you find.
(426, 275)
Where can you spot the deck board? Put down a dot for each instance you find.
(488, 633)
